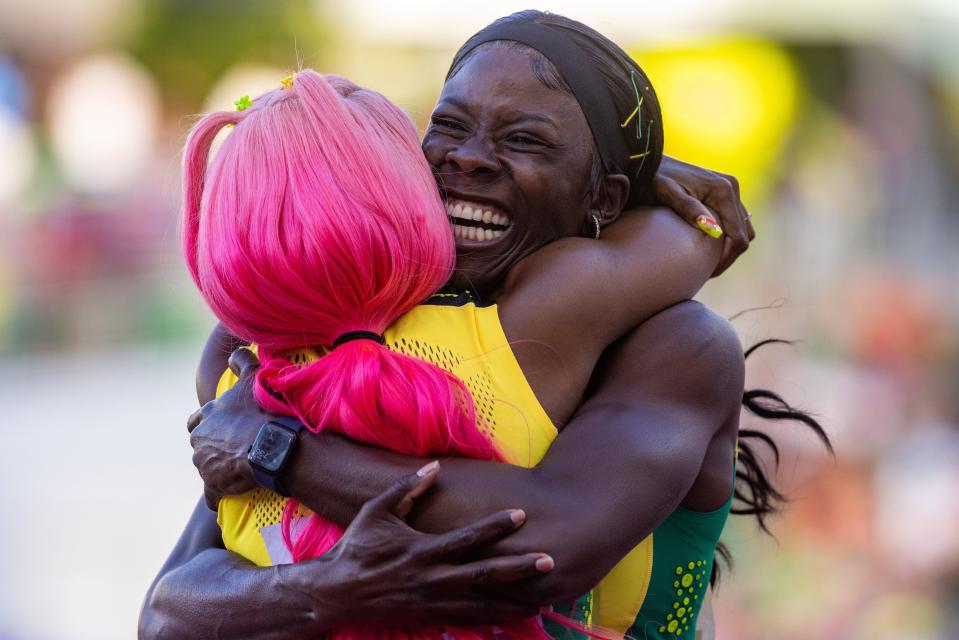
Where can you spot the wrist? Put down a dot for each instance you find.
(315, 592)
(272, 451)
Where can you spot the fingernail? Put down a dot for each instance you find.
(518, 516)
(547, 609)
(709, 226)
(544, 563)
(426, 470)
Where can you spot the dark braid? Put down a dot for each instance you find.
(754, 493)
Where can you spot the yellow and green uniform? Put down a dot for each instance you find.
(659, 582)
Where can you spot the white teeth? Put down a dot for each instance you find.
(476, 213)
(475, 233)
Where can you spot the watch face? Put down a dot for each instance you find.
(271, 447)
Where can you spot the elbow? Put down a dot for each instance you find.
(149, 626)
(570, 579)
(155, 622)
(559, 589)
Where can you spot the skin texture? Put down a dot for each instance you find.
(488, 143)
(379, 559)
(657, 431)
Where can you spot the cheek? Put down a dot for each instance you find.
(557, 204)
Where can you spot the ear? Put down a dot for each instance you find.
(612, 198)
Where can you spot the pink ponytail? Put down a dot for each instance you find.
(318, 216)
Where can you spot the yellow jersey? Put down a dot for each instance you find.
(465, 338)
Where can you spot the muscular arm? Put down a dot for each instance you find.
(248, 602)
(661, 421)
(576, 296)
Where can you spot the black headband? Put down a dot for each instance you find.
(575, 66)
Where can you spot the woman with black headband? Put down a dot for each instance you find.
(650, 451)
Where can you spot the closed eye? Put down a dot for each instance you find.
(525, 140)
(447, 123)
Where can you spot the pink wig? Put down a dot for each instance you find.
(319, 215)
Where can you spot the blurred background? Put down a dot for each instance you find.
(840, 119)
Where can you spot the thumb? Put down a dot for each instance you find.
(243, 362)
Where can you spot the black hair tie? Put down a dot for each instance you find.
(357, 335)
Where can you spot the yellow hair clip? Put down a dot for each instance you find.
(287, 82)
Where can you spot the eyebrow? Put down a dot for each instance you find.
(516, 115)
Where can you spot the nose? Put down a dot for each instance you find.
(473, 155)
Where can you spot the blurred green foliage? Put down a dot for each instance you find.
(188, 44)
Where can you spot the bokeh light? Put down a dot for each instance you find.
(727, 104)
(16, 140)
(104, 115)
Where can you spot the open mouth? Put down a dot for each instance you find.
(476, 221)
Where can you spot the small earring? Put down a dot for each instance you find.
(595, 226)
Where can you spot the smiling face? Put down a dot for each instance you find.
(514, 159)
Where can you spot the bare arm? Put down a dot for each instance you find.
(659, 430)
(576, 296)
(249, 602)
(213, 362)
(647, 261)
(380, 573)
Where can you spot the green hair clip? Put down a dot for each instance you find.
(243, 103)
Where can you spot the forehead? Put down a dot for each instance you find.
(499, 82)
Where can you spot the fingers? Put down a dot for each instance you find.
(451, 545)
(493, 570)
(726, 200)
(671, 194)
(243, 362)
(197, 416)
(398, 499)
(750, 230)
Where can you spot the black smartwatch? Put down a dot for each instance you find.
(271, 452)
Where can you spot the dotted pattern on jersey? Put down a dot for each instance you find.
(480, 384)
(268, 506)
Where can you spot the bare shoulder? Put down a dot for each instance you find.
(686, 351)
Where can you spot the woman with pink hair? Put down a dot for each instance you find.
(534, 185)
(317, 227)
